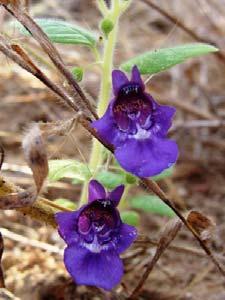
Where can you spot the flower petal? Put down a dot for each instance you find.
(127, 235)
(136, 77)
(67, 225)
(103, 269)
(163, 115)
(118, 80)
(95, 191)
(107, 129)
(116, 194)
(147, 157)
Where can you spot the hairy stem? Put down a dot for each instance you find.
(123, 201)
(104, 96)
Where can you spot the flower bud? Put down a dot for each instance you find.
(106, 26)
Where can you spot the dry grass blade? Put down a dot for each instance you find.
(6, 295)
(53, 54)
(17, 200)
(31, 242)
(167, 236)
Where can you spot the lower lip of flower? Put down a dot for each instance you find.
(94, 246)
(141, 134)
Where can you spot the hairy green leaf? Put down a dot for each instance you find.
(62, 32)
(159, 60)
(110, 180)
(65, 203)
(69, 168)
(130, 217)
(151, 204)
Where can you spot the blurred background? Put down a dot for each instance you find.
(196, 88)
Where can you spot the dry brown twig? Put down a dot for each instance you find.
(185, 28)
(169, 233)
(47, 46)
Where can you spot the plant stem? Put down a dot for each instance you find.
(123, 201)
(105, 90)
(104, 96)
(102, 7)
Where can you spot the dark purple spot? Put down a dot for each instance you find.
(132, 108)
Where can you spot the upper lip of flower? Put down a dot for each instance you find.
(98, 223)
(132, 110)
(130, 88)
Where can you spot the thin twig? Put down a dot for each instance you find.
(167, 236)
(52, 52)
(185, 28)
(198, 124)
(177, 248)
(30, 242)
(19, 57)
(153, 186)
(188, 108)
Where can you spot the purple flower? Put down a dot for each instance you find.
(136, 125)
(95, 237)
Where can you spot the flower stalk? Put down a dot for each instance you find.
(105, 90)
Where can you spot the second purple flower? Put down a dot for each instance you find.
(95, 237)
(136, 125)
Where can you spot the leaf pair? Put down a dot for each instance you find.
(151, 62)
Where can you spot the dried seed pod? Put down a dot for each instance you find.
(36, 156)
(204, 226)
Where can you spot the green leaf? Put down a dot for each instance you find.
(159, 60)
(166, 173)
(151, 204)
(130, 217)
(77, 73)
(69, 168)
(110, 180)
(63, 33)
(65, 203)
